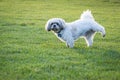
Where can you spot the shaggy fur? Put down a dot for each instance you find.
(85, 27)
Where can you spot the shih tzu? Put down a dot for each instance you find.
(85, 27)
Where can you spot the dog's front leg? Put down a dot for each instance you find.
(70, 44)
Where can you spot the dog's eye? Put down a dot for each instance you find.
(57, 23)
(52, 23)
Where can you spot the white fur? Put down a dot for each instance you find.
(84, 27)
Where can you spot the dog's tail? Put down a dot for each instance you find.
(86, 15)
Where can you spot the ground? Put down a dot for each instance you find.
(28, 52)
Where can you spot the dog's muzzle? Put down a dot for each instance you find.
(54, 28)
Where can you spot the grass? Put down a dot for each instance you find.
(28, 52)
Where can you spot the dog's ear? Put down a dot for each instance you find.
(62, 23)
(48, 26)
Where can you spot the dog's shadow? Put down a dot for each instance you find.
(80, 50)
(97, 51)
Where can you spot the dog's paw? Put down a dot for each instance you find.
(104, 35)
(69, 46)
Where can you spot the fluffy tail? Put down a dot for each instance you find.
(86, 15)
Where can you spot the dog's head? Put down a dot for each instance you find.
(55, 24)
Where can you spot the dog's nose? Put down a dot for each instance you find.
(54, 26)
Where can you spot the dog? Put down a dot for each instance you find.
(85, 27)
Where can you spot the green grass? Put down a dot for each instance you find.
(28, 52)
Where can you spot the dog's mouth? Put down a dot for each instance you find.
(55, 29)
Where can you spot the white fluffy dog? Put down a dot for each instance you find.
(85, 27)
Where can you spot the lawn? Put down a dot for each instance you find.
(28, 52)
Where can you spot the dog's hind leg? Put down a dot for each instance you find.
(98, 28)
(89, 38)
(101, 30)
(89, 41)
